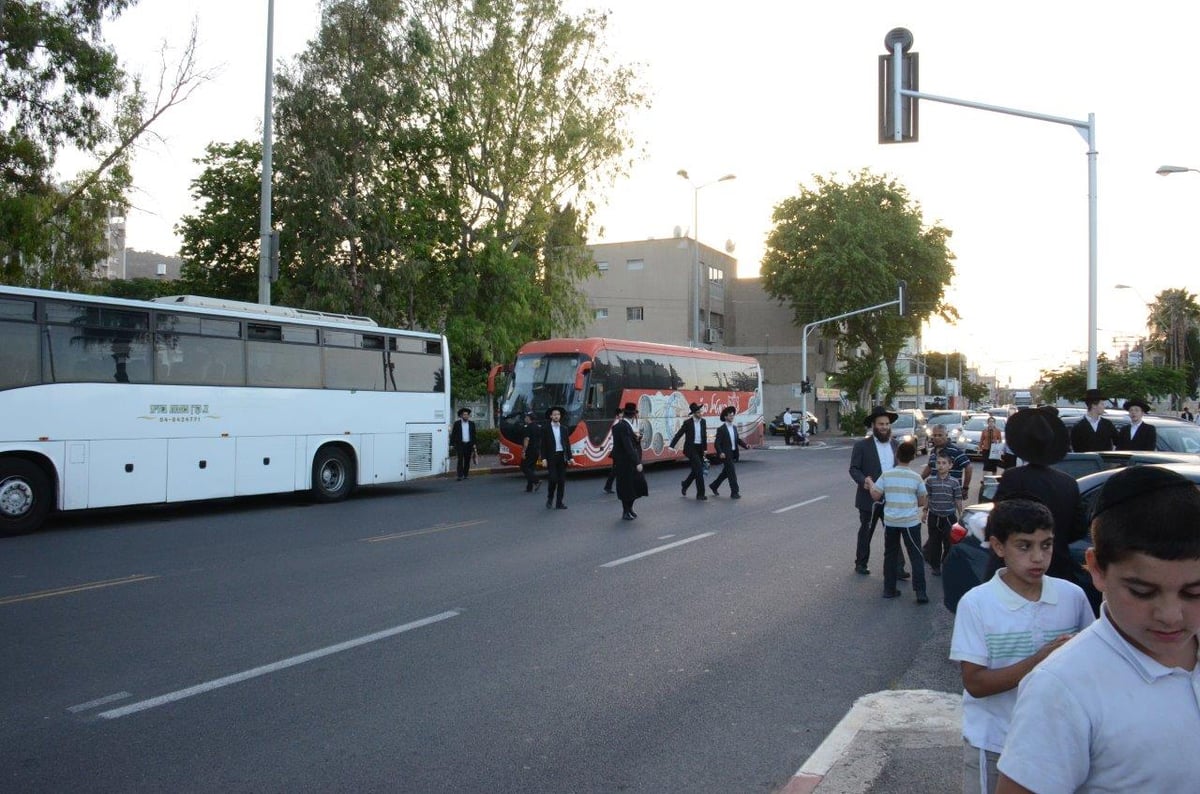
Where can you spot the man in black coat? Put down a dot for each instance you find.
(1093, 433)
(1137, 435)
(627, 461)
(727, 442)
(694, 432)
(462, 438)
(868, 459)
(556, 451)
(531, 450)
(1038, 437)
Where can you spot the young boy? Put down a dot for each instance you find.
(903, 494)
(1004, 627)
(1118, 708)
(945, 505)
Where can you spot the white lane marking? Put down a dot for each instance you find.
(104, 701)
(800, 504)
(282, 664)
(665, 537)
(655, 550)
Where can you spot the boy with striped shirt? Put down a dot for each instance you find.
(945, 505)
(902, 492)
(1004, 627)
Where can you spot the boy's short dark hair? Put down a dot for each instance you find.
(1018, 516)
(906, 452)
(944, 453)
(1146, 509)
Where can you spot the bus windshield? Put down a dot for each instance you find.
(540, 382)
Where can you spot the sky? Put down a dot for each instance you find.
(775, 91)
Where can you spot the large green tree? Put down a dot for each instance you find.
(61, 86)
(1116, 383)
(1174, 321)
(842, 246)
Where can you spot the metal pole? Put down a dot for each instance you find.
(696, 266)
(1092, 276)
(264, 230)
(804, 372)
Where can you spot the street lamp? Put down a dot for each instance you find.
(1167, 170)
(695, 307)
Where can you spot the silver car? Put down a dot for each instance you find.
(967, 439)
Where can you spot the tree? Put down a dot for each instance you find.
(1114, 382)
(220, 243)
(1174, 320)
(974, 392)
(836, 248)
(62, 86)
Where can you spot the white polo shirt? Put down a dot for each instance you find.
(1099, 715)
(996, 627)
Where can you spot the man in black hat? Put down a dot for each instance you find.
(556, 451)
(531, 448)
(727, 442)
(627, 461)
(1038, 437)
(694, 432)
(1137, 435)
(462, 438)
(1093, 433)
(612, 472)
(870, 457)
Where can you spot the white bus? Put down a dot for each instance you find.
(109, 402)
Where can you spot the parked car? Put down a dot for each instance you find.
(1077, 464)
(1173, 434)
(951, 420)
(910, 425)
(967, 439)
(971, 529)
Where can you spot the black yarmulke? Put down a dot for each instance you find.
(1136, 482)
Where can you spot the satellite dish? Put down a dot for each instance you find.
(729, 247)
(678, 231)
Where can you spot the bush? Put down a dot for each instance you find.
(852, 423)
(488, 442)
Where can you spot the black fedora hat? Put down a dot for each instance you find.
(1037, 435)
(462, 411)
(1139, 402)
(553, 408)
(877, 412)
(695, 408)
(630, 409)
(728, 410)
(1093, 396)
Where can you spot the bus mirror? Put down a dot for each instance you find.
(580, 373)
(492, 373)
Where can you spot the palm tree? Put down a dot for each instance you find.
(1174, 316)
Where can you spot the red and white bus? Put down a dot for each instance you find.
(593, 378)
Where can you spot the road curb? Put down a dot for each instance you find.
(920, 714)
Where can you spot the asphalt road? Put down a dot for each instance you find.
(447, 636)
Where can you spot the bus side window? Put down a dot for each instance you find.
(595, 399)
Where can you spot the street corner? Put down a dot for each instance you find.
(856, 751)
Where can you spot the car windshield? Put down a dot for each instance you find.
(980, 422)
(903, 420)
(1178, 437)
(945, 419)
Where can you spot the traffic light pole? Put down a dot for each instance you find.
(900, 301)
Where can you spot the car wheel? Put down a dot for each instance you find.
(25, 496)
(333, 475)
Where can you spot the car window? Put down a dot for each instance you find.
(903, 421)
(1178, 438)
(976, 423)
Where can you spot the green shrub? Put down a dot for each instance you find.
(488, 442)
(852, 423)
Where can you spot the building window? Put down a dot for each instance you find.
(602, 266)
(633, 313)
(600, 314)
(716, 275)
(635, 264)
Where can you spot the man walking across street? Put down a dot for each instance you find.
(627, 461)
(612, 472)
(531, 449)
(556, 451)
(694, 432)
(1093, 433)
(869, 458)
(727, 443)
(462, 438)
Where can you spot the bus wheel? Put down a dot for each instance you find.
(25, 496)
(333, 475)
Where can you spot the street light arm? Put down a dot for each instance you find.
(1167, 170)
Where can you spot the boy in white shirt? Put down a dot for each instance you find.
(1118, 708)
(1005, 627)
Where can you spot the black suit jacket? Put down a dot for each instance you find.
(1146, 439)
(864, 463)
(1085, 439)
(687, 431)
(456, 434)
(548, 441)
(1059, 492)
(727, 450)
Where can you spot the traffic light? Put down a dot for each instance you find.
(889, 97)
(805, 386)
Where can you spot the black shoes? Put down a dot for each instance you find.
(627, 516)
(608, 490)
(904, 576)
(560, 507)
(683, 488)
(713, 488)
(922, 598)
(862, 569)
(549, 505)
(892, 594)
(735, 496)
(702, 497)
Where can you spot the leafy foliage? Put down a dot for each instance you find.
(837, 248)
(1114, 382)
(1174, 321)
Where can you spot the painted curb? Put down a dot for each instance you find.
(914, 711)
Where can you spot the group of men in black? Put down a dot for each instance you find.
(1095, 433)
